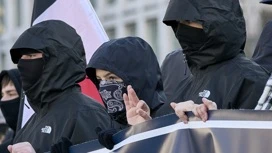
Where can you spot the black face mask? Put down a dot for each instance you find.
(112, 95)
(10, 110)
(30, 71)
(190, 39)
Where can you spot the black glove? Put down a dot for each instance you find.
(105, 137)
(62, 146)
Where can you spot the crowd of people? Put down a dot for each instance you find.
(210, 71)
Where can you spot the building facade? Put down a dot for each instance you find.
(122, 18)
(15, 16)
(144, 19)
(140, 18)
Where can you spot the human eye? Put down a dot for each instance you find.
(29, 56)
(13, 93)
(98, 79)
(33, 55)
(112, 78)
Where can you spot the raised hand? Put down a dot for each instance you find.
(137, 111)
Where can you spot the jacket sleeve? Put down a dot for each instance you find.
(86, 124)
(247, 92)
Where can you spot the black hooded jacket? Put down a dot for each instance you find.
(14, 75)
(220, 70)
(61, 110)
(133, 60)
(175, 73)
(263, 51)
(10, 112)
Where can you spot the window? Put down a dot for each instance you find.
(18, 13)
(111, 1)
(3, 63)
(152, 31)
(111, 33)
(1, 17)
(131, 29)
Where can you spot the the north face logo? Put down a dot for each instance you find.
(204, 94)
(46, 129)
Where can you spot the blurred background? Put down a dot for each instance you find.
(121, 18)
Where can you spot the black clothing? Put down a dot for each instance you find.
(220, 70)
(29, 67)
(10, 109)
(62, 146)
(175, 73)
(191, 39)
(133, 60)
(61, 110)
(263, 51)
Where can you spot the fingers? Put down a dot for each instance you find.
(181, 108)
(132, 96)
(202, 112)
(143, 114)
(142, 105)
(126, 101)
(21, 147)
(10, 148)
(209, 104)
(183, 117)
(195, 112)
(173, 105)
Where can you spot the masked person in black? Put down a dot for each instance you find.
(51, 61)
(212, 34)
(10, 85)
(129, 67)
(263, 51)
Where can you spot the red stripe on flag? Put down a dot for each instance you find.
(88, 88)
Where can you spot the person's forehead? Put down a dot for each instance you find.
(102, 72)
(9, 87)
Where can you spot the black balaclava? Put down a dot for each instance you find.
(112, 95)
(190, 38)
(30, 69)
(225, 33)
(10, 109)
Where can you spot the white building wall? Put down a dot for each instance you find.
(142, 13)
(11, 29)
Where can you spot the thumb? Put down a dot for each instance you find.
(10, 148)
(209, 104)
(173, 105)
